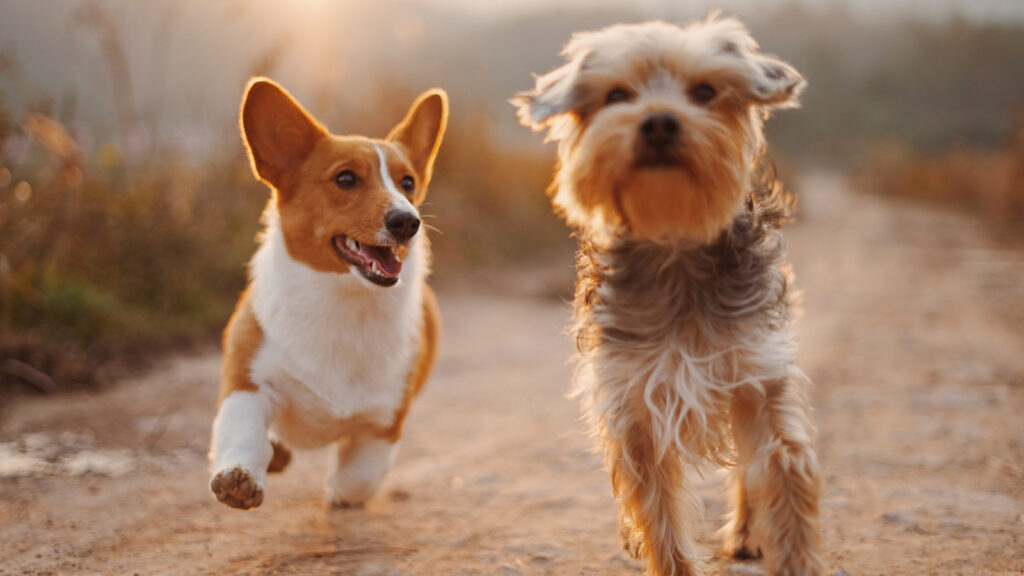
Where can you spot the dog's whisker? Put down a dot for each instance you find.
(433, 228)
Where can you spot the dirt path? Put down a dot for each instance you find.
(913, 331)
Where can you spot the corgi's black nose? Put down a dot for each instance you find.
(660, 130)
(402, 224)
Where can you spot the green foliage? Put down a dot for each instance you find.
(70, 306)
(102, 250)
(99, 250)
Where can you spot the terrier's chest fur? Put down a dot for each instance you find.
(684, 325)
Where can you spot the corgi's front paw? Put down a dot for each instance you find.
(237, 487)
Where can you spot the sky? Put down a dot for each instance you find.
(189, 59)
(931, 9)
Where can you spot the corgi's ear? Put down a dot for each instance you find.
(278, 133)
(422, 130)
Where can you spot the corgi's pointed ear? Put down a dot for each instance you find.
(278, 133)
(422, 130)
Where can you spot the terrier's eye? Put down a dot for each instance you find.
(616, 95)
(346, 180)
(703, 93)
(407, 184)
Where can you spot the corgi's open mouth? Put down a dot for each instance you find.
(378, 264)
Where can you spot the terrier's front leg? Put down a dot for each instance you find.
(241, 449)
(656, 519)
(783, 482)
(750, 431)
(357, 468)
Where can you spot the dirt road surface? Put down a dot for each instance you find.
(913, 332)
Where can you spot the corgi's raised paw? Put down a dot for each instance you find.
(237, 487)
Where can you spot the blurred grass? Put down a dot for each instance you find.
(112, 250)
(987, 183)
(99, 257)
(487, 200)
(105, 256)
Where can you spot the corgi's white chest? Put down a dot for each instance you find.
(334, 346)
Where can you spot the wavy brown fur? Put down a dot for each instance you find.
(646, 315)
(683, 304)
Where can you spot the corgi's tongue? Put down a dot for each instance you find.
(384, 257)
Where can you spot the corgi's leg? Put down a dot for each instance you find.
(282, 455)
(357, 467)
(241, 450)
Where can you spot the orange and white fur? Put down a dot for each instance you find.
(682, 304)
(337, 330)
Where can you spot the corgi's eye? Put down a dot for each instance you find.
(703, 93)
(346, 180)
(615, 96)
(407, 184)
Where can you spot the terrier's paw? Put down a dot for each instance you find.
(631, 539)
(237, 487)
(738, 545)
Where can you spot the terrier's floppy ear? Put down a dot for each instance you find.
(422, 130)
(278, 133)
(553, 95)
(762, 79)
(771, 82)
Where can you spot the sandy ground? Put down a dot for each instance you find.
(913, 332)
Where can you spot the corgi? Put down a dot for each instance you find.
(337, 329)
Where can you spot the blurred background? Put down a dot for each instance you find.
(128, 211)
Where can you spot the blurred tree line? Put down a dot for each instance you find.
(115, 246)
(931, 85)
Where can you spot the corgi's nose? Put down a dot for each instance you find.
(402, 224)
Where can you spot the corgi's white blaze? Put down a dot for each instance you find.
(240, 434)
(399, 201)
(356, 471)
(333, 345)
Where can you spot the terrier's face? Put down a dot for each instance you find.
(658, 126)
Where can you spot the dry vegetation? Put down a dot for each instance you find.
(105, 257)
(989, 184)
(101, 256)
(111, 250)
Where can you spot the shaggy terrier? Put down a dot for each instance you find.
(682, 306)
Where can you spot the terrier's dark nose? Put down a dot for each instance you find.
(660, 130)
(402, 224)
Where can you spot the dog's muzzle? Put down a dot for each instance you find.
(660, 137)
